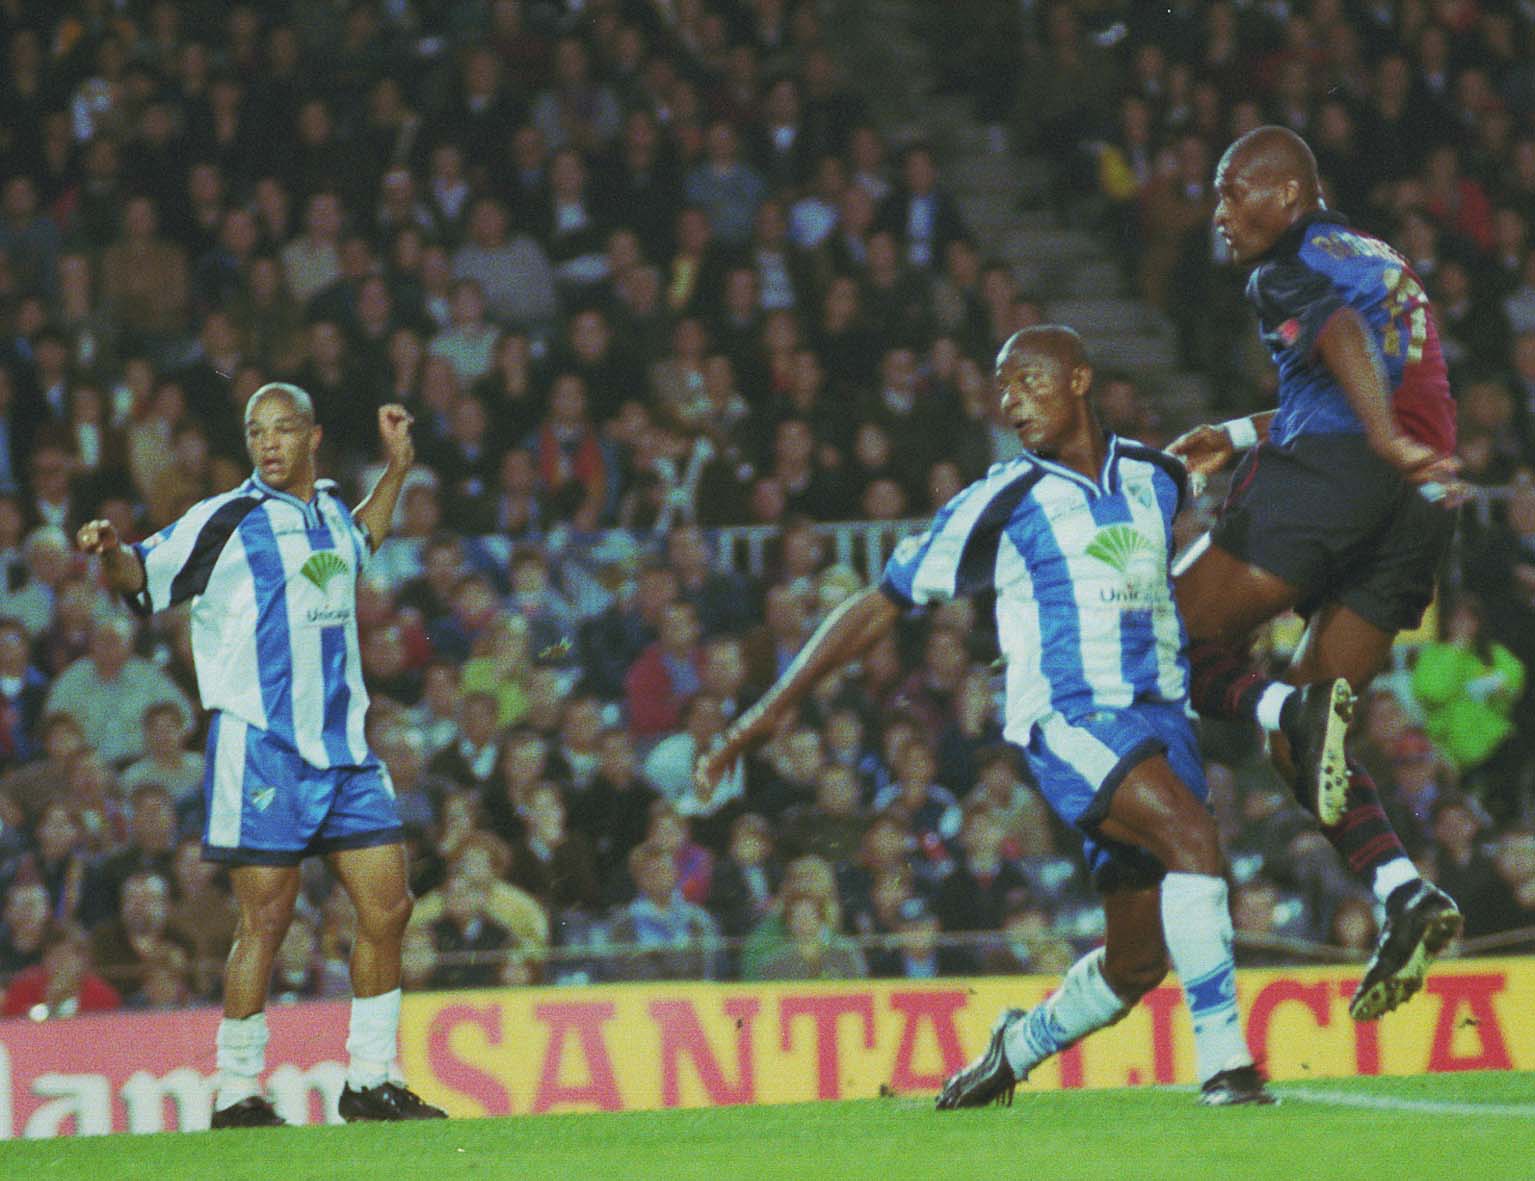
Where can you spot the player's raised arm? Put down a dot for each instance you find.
(124, 571)
(847, 633)
(376, 512)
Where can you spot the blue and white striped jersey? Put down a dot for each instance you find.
(1084, 597)
(273, 584)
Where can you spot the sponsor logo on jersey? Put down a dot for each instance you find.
(321, 567)
(1130, 553)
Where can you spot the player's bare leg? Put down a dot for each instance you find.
(264, 895)
(375, 880)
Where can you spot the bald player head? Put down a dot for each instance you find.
(1054, 340)
(1267, 181)
(1043, 379)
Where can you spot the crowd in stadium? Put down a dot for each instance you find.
(641, 270)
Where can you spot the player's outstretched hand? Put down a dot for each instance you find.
(394, 429)
(1437, 475)
(713, 765)
(97, 537)
(1203, 450)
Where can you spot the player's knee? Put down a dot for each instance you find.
(1194, 845)
(1133, 974)
(385, 920)
(267, 919)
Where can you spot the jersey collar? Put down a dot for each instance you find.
(310, 508)
(1108, 478)
(1290, 241)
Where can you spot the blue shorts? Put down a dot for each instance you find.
(264, 805)
(1079, 762)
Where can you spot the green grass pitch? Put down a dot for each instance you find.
(1431, 1128)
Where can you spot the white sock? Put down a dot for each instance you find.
(1271, 702)
(241, 1057)
(1196, 923)
(372, 1039)
(1396, 872)
(1084, 1002)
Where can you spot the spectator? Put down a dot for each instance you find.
(671, 938)
(814, 950)
(152, 829)
(974, 896)
(468, 944)
(665, 674)
(575, 470)
(614, 810)
(1467, 686)
(23, 690)
(726, 187)
(469, 345)
(470, 760)
(203, 916)
(107, 690)
(745, 881)
(513, 272)
(166, 760)
(139, 937)
(575, 110)
(552, 863)
(64, 984)
(478, 866)
(311, 262)
(24, 927)
(919, 213)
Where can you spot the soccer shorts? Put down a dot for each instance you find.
(1334, 520)
(1079, 762)
(265, 805)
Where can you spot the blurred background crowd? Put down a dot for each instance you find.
(688, 335)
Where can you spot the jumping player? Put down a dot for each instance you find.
(271, 570)
(1074, 537)
(1338, 509)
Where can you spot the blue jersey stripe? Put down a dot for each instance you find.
(978, 563)
(1060, 630)
(272, 638)
(338, 696)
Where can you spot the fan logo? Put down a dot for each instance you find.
(321, 570)
(1130, 553)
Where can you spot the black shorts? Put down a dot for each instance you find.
(1334, 520)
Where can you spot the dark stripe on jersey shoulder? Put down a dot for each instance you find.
(978, 562)
(1166, 462)
(211, 539)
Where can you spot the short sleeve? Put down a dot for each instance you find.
(1294, 302)
(179, 559)
(957, 555)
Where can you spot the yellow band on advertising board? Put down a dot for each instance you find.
(631, 1047)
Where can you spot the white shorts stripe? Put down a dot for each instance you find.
(228, 794)
(1094, 760)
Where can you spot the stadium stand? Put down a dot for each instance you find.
(694, 331)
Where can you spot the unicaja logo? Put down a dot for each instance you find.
(1120, 547)
(320, 568)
